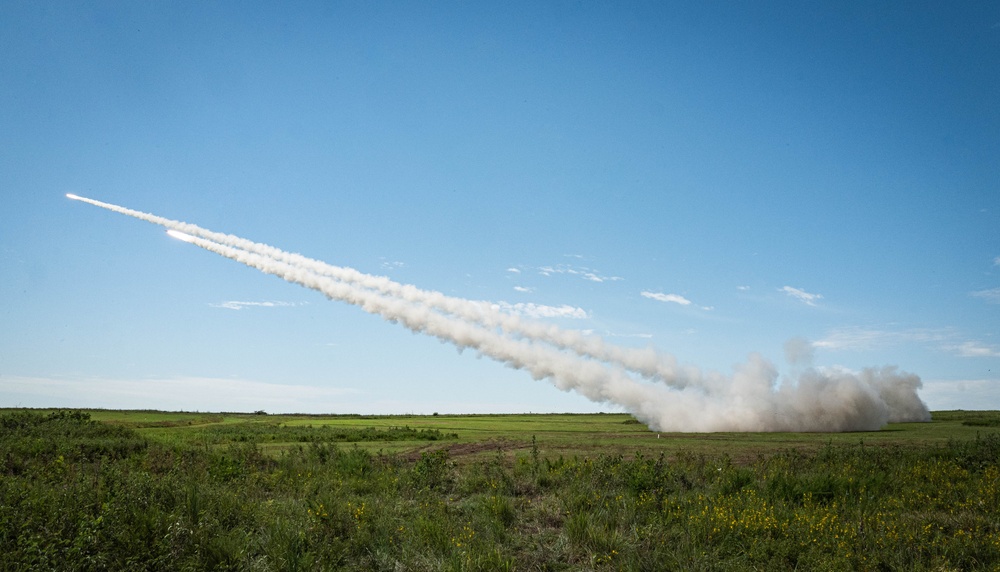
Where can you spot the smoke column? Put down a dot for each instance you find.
(750, 400)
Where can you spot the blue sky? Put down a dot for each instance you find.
(711, 179)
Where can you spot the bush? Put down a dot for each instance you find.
(81, 495)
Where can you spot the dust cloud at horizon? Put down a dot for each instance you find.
(647, 383)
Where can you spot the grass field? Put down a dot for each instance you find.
(147, 490)
(554, 434)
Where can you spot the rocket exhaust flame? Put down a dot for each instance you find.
(181, 235)
(749, 400)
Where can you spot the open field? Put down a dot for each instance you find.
(146, 490)
(554, 434)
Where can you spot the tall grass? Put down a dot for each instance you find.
(80, 495)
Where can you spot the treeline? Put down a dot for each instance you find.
(80, 495)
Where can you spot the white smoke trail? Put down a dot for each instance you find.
(751, 406)
(748, 401)
(596, 381)
(647, 362)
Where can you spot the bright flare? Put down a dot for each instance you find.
(180, 235)
(72, 196)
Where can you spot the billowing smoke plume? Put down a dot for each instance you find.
(683, 400)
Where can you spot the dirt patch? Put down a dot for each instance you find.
(466, 451)
(496, 444)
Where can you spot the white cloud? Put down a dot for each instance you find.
(941, 339)
(742, 288)
(236, 305)
(609, 334)
(974, 349)
(523, 289)
(802, 295)
(392, 264)
(585, 273)
(661, 297)
(640, 336)
(992, 295)
(855, 338)
(996, 261)
(530, 310)
(514, 270)
(172, 394)
(674, 298)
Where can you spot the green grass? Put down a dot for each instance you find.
(113, 490)
(555, 434)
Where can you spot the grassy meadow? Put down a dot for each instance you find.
(148, 490)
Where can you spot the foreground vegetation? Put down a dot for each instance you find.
(253, 493)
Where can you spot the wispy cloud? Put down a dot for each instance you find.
(524, 289)
(742, 288)
(996, 261)
(529, 310)
(585, 273)
(808, 298)
(661, 297)
(672, 298)
(858, 338)
(640, 336)
(237, 305)
(974, 349)
(391, 264)
(610, 334)
(992, 295)
(513, 270)
(940, 339)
